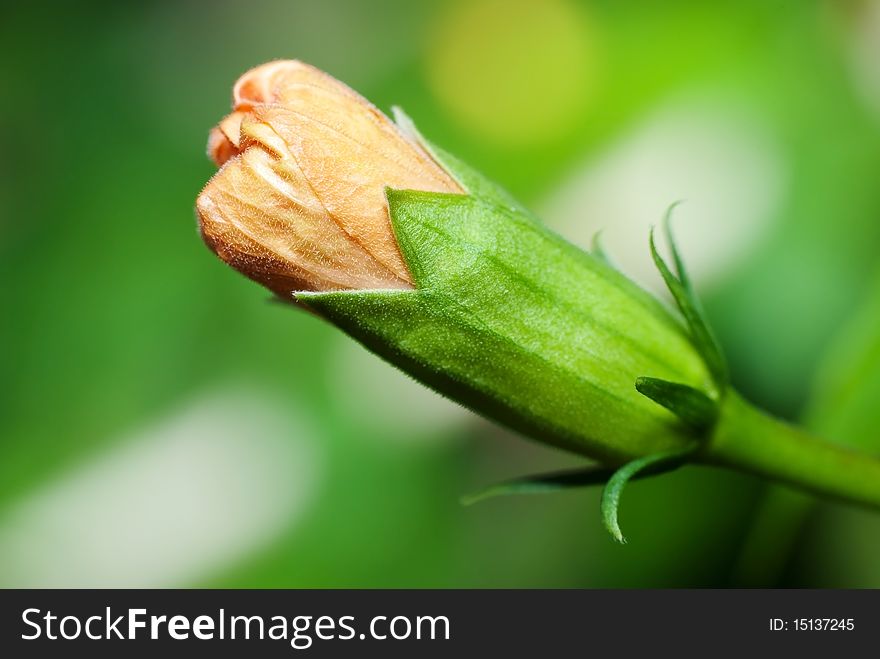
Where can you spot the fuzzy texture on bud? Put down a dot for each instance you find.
(299, 201)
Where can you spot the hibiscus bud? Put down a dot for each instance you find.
(324, 200)
(299, 201)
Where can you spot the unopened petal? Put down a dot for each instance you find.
(300, 201)
(349, 155)
(261, 218)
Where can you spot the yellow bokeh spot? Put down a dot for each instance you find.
(517, 72)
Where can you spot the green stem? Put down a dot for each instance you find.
(749, 439)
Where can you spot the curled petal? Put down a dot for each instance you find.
(299, 203)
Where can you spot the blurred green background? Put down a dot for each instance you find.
(163, 424)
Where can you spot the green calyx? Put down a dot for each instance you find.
(512, 321)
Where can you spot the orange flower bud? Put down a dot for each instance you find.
(299, 200)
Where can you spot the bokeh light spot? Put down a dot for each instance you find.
(180, 501)
(865, 49)
(705, 151)
(517, 73)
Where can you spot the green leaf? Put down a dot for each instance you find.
(688, 304)
(653, 464)
(692, 406)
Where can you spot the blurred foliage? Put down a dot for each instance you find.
(115, 315)
(843, 407)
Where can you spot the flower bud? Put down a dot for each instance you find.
(321, 198)
(299, 201)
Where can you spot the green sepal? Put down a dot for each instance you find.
(677, 260)
(433, 339)
(472, 181)
(688, 304)
(597, 249)
(650, 464)
(695, 409)
(543, 483)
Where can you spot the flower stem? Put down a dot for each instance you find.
(749, 439)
